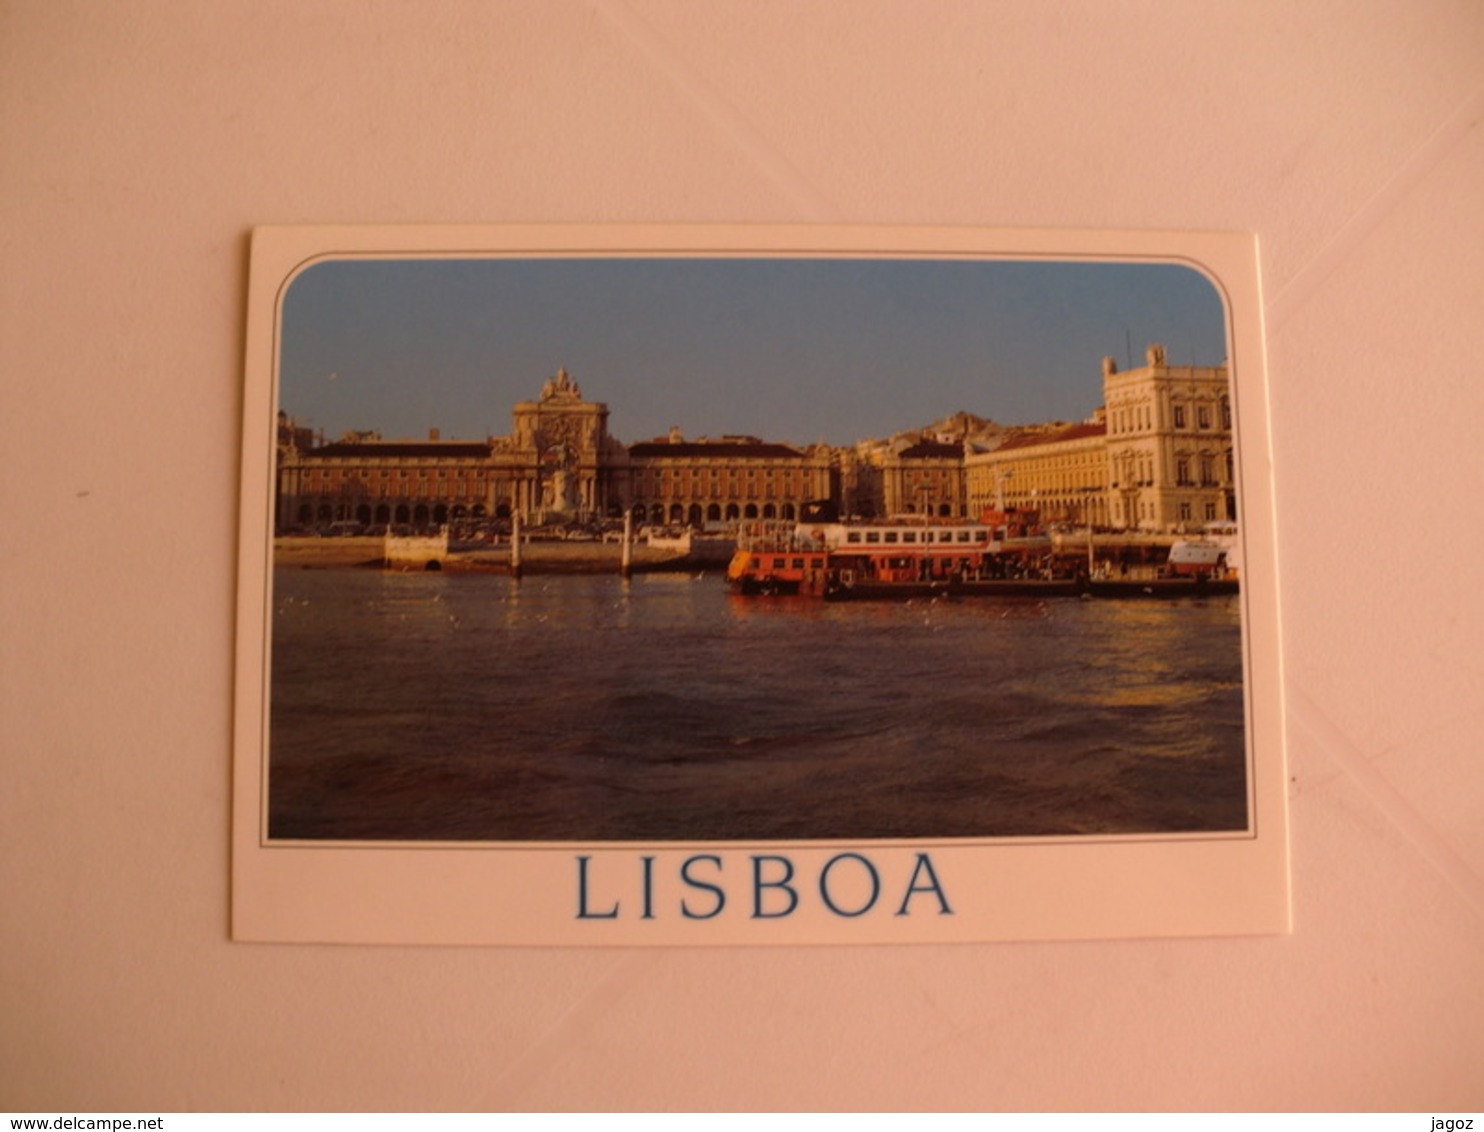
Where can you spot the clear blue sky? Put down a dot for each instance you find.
(787, 350)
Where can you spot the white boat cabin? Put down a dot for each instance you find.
(900, 533)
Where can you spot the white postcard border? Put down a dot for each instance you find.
(624, 894)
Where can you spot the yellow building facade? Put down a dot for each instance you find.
(923, 477)
(1061, 475)
(1158, 456)
(1171, 460)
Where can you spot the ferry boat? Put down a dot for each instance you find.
(904, 556)
(771, 558)
(920, 556)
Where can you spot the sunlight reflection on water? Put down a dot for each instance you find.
(436, 706)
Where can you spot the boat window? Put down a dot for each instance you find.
(853, 536)
(891, 536)
(909, 536)
(963, 536)
(873, 536)
(798, 564)
(778, 563)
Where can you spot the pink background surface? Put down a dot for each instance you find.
(140, 142)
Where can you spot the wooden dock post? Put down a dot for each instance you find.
(626, 565)
(515, 545)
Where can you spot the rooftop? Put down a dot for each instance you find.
(735, 450)
(403, 449)
(1076, 432)
(932, 449)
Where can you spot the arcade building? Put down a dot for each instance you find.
(558, 465)
(1156, 457)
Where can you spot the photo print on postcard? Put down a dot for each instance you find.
(693, 585)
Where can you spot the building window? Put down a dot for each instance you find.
(1179, 416)
(1203, 416)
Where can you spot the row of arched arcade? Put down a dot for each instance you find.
(695, 515)
(318, 514)
(414, 514)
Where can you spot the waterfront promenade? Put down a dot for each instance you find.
(541, 557)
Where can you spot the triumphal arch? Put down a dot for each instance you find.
(562, 460)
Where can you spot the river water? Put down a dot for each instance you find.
(433, 706)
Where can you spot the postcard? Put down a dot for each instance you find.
(729, 586)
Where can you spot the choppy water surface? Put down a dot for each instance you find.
(472, 707)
